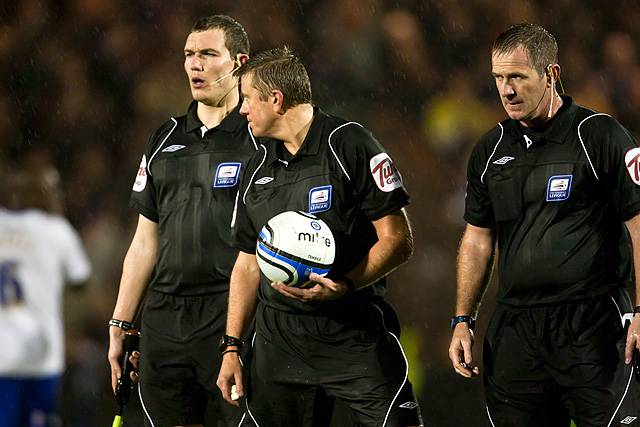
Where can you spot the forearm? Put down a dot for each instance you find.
(243, 290)
(136, 271)
(474, 266)
(393, 248)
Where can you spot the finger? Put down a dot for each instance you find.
(134, 359)
(288, 291)
(239, 384)
(468, 352)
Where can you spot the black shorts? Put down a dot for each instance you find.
(180, 361)
(548, 364)
(299, 359)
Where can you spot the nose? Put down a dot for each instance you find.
(244, 109)
(507, 90)
(195, 64)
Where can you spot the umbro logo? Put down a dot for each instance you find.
(172, 148)
(264, 180)
(504, 160)
(409, 405)
(628, 420)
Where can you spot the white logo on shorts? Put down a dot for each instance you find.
(628, 420)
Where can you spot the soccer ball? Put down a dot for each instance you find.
(293, 245)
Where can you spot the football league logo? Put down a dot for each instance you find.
(141, 177)
(320, 199)
(632, 161)
(384, 173)
(226, 175)
(559, 188)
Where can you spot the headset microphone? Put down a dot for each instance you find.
(224, 76)
(238, 65)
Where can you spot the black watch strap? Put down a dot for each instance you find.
(229, 341)
(463, 319)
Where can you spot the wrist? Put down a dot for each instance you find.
(463, 318)
(121, 324)
(351, 286)
(229, 342)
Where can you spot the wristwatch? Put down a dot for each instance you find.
(464, 318)
(229, 341)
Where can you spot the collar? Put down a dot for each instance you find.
(312, 141)
(230, 123)
(557, 131)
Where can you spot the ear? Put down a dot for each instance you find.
(553, 73)
(241, 59)
(276, 99)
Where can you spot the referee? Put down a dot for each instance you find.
(338, 338)
(184, 192)
(556, 185)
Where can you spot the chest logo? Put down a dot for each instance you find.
(504, 160)
(559, 188)
(227, 175)
(384, 173)
(632, 161)
(264, 180)
(320, 199)
(141, 176)
(172, 148)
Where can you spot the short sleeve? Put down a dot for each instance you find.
(376, 181)
(619, 165)
(143, 194)
(478, 208)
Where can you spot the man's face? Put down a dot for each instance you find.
(206, 59)
(524, 93)
(261, 114)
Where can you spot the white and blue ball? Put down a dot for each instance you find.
(294, 244)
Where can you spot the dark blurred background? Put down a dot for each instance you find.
(85, 82)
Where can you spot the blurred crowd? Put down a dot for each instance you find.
(85, 82)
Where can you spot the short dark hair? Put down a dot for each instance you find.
(235, 37)
(279, 69)
(539, 44)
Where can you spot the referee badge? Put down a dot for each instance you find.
(320, 199)
(559, 188)
(227, 175)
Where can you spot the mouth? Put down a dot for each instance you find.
(197, 82)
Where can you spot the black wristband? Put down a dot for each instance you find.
(351, 287)
(463, 319)
(636, 309)
(231, 350)
(229, 341)
(122, 324)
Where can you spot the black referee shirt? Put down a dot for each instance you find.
(340, 160)
(187, 182)
(558, 198)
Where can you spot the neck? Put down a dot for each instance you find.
(549, 112)
(294, 127)
(212, 115)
